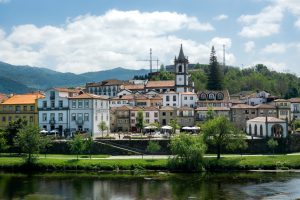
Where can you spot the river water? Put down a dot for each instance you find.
(116, 186)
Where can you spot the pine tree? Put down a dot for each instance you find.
(215, 76)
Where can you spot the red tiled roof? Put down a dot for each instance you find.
(134, 87)
(160, 84)
(88, 96)
(212, 108)
(23, 99)
(242, 106)
(295, 100)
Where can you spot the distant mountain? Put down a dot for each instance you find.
(21, 79)
(118, 73)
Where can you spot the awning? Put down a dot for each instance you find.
(167, 127)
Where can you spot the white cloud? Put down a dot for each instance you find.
(221, 17)
(4, 1)
(268, 21)
(275, 48)
(263, 24)
(117, 38)
(277, 66)
(249, 46)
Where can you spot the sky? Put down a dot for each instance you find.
(92, 35)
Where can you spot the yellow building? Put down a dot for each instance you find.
(19, 106)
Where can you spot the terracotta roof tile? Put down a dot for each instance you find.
(295, 100)
(134, 87)
(160, 84)
(212, 108)
(23, 99)
(264, 106)
(88, 96)
(242, 106)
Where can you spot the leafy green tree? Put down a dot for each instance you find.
(162, 68)
(153, 147)
(174, 125)
(215, 76)
(3, 143)
(102, 127)
(272, 144)
(140, 121)
(46, 143)
(77, 145)
(12, 129)
(188, 151)
(89, 143)
(222, 133)
(156, 124)
(210, 114)
(28, 139)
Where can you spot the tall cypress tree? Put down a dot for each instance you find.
(215, 76)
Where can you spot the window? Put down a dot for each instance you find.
(202, 96)
(73, 104)
(9, 118)
(185, 98)
(18, 108)
(44, 104)
(25, 108)
(147, 121)
(86, 104)
(52, 94)
(31, 108)
(52, 116)
(3, 119)
(147, 114)
(79, 116)
(180, 68)
(163, 113)
(174, 97)
(211, 96)
(80, 104)
(174, 104)
(60, 117)
(31, 119)
(73, 117)
(132, 114)
(52, 104)
(191, 98)
(44, 116)
(86, 116)
(133, 121)
(171, 113)
(167, 98)
(220, 96)
(155, 114)
(246, 111)
(60, 103)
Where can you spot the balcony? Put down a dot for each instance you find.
(52, 121)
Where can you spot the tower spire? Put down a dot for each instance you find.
(181, 56)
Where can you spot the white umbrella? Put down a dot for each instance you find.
(186, 128)
(167, 127)
(44, 131)
(195, 128)
(150, 127)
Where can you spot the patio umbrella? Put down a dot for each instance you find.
(167, 127)
(43, 131)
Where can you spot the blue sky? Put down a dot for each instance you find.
(85, 35)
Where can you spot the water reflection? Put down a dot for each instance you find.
(253, 185)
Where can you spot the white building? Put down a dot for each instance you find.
(295, 108)
(267, 127)
(54, 109)
(256, 98)
(87, 111)
(180, 99)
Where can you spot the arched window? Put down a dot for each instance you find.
(261, 131)
(211, 96)
(202, 96)
(277, 131)
(220, 96)
(180, 68)
(255, 130)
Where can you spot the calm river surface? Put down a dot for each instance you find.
(251, 185)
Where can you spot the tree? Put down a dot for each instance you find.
(89, 143)
(102, 127)
(28, 139)
(140, 121)
(77, 145)
(223, 134)
(215, 75)
(153, 147)
(188, 151)
(13, 128)
(3, 143)
(162, 68)
(46, 143)
(174, 125)
(156, 124)
(272, 144)
(210, 114)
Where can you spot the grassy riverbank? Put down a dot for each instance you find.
(63, 163)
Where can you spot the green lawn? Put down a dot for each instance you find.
(69, 162)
